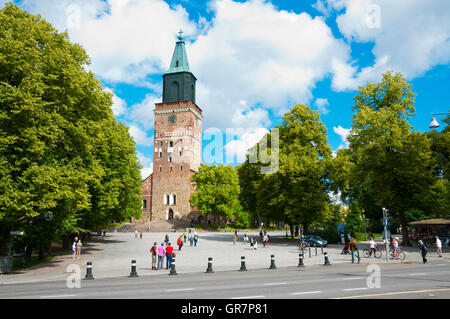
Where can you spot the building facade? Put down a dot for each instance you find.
(177, 145)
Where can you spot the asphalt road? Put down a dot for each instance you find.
(413, 280)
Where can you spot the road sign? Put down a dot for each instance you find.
(386, 222)
(18, 233)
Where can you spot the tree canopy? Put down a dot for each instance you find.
(61, 149)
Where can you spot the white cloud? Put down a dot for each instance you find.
(268, 58)
(322, 104)
(410, 36)
(343, 133)
(140, 136)
(147, 165)
(119, 105)
(142, 113)
(237, 149)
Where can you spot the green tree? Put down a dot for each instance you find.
(217, 191)
(392, 163)
(61, 150)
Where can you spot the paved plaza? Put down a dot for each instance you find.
(111, 256)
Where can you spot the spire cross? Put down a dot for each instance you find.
(180, 36)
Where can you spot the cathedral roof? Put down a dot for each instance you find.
(179, 59)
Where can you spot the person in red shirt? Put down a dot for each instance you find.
(180, 242)
(169, 255)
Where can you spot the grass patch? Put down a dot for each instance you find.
(18, 262)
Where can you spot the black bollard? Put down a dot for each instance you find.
(133, 272)
(243, 264)
(89, 271)
(173, 271)
(272, 262)
(316, 249)
(300, 261)
(327, 262)
(209, 269)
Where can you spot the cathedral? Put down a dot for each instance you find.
(177, 145)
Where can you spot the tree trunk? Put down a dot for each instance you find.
(3, 242)
(67, 241)
(405, 234)
(292, 230)
(44, 251)
(296, 230)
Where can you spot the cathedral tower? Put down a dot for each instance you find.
(177, 141)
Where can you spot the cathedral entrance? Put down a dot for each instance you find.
(170, 216)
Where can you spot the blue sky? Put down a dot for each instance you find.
(256, 59)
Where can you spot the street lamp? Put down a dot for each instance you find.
(434, 123)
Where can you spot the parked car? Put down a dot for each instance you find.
(314, 240)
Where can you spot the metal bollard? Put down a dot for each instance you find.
(133, 272)
(309, 251)
(327, 262)
(272, 262)
(316, 249)
(243, 268)
(300, 261)
(89, 271)
(173, 271)
(209, 269)
(321, 250)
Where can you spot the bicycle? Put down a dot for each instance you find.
(367, 253)
(400, 255)
(303, 246)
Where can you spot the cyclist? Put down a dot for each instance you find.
(354, 249)
(372, 245)
(395, 246)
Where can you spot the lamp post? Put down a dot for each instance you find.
(385, 223)
(365, 230)
(434, 123)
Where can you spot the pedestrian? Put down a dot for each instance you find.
(395, 246)
(354, 249)
(265, 240)
(234, 238)
(191, 239)
(76, 239)
(423, 251)
(184, 235)
(261, 235)
(166, 239)
(140, 235)
(439, 246)
(135, 233)
(245, 239)
(372, 245)
(74, 250)
(79, 245)
(180, 242)
(161, 251)
(255, 243)
(169, 255)
(154, 252)
(195, 239)
(104, 233)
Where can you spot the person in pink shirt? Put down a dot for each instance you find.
(161, 252)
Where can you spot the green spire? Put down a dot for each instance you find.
(179, 59)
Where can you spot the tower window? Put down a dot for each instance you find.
(180, 153)
(171, 144)
(174, 199)
(161, 143)
(170, 159)
(181, 168)
(177, 64)
(160, 154)
(144, 204)
(171, 168)
(160, 169)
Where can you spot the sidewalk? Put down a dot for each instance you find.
(112, 256)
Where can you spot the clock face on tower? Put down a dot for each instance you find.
(172, 119)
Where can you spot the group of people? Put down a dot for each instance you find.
(76, 248)
(165, 250)
(253, 241)
(192, 237)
